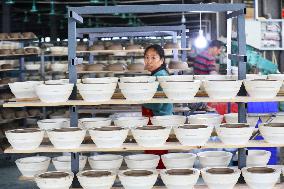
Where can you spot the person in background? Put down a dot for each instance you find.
(204, 63)
(154, 59)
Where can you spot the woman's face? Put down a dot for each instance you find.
(152, 60)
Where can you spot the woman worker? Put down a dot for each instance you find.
(154, 59)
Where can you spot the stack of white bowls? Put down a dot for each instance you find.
(179, 87)
(138, 88)
(222, 89)
(25, 89)
(263, 88)
(97, 89)
(54, 93)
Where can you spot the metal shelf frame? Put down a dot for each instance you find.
(75, 14)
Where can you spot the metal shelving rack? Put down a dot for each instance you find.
(74, 16)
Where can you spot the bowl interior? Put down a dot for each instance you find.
(96, 173)
(180, 172)
(138, 173)
(260, 170)
(54, 175)
(218, 171)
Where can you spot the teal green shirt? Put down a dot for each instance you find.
(160, 109)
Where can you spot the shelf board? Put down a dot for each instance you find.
(244, 99)
(17, 55)
(20, 39)
(135, 147)
(7, 70)
(238, 186)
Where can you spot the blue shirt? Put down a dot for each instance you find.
(160, 109)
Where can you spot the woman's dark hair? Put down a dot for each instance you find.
(160, 51)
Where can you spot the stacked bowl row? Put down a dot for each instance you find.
(31, 166)
(146, 136)
(215, 178)
(176, 87)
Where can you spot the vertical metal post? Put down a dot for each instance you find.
(175, 51)
(241, 76)
(183, 44)
(22, 69)
(42, 66)
(91, 56)
(73, 79)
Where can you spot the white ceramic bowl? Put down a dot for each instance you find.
(131, 122)
(180, 178)
(193, 135)
(59, 81)
(25, 139)
(263, 88)
(255, 76)
(54, 180)
(49, 124)
(66, 138)
(138, 86)
(138, 79)
(32, 66)
(138, 179)
(222, 89)
(96, 179)
(96, 87)
(100, 80)
(212, 77)
(233, 118)
(54, 93)
(95, 122)
(257, 158)
(105, 162)
(220, 177)
(234, 133)
(214, 158)
(63, 163)
(142, 161)
(24, 89)
(168, 120)
(279, 77)
(175, 78)
(178, 160)
(138, 95)
(108, 137)
(261, 177)
(211, 120)
(151, 136)
(59, 67)
(272, 132)
(97, 96)
(180, 90)
(30, 166)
